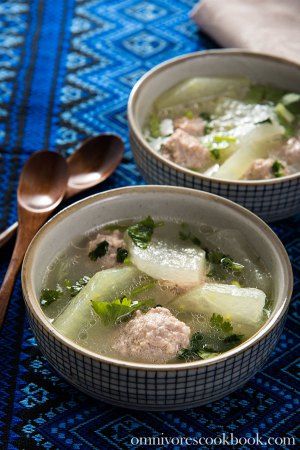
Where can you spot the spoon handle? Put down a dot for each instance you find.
(25, 234)
(7, 234)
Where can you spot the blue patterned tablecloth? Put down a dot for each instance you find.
(66, 69)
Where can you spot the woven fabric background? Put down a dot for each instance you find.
(66, 70)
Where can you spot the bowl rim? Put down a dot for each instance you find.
(32, 301)
(179, 59)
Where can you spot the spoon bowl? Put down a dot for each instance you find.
(93, 162)
(42, 182)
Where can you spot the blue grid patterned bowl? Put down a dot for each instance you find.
(145, 386)
(270, 199)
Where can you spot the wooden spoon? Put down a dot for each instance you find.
(42, 186)
(93, 162)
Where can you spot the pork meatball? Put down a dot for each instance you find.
(291, 151)
(186, 150)
(115, 240)
(154, 337)
(262, 169)
(195, 126)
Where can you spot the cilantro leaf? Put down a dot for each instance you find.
(122, 254)
(221, 266)
(218, 322)
(205, 116)
(196, 241)
(261, 122)
(261, 94)
(192, 351)
(117, 310)
(76, 287)
(197, 349)
(292, 102)
(189, 114)
(208, 354)
(49, 296)
(233, 339)
(225, 138)
(141, 232)
(215, 153)
(99, 251)
(154, 126)
(277, 169)
(116, 226)
(228, 263)
(185, 234)
(140, 289)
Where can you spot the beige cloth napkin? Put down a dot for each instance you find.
(268, 26)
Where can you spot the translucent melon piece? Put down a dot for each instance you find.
(195, 88)
(241, 305)
(107, 285)
(177, 262)
(256, 144)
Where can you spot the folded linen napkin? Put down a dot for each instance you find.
(268, 26)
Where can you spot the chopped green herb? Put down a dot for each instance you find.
(233, 339)
(278, 169)
(154, 126)
(208, 128)
(207, 354)
(292, 102)
(268, 303)
(261, 94)
(256, 94)
(273, 94)
(184, 232)
(192, 351)
(194, 169)
(221, 265)
(228, 263)
(49, 296)
(236, 283)
(140, 289)
(197, 349)
(196, 339)
(284, 114)
(189, 114)
(214, 256)
(118, 310)
(215, 152)
(225, 138)
(116, 226)
(141, 232)
(261, 122)
(122, 254)
(196, 241)
(205, 116)
(99, 251)
(218, 322)
(76, 287)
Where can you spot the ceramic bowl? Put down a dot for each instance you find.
(145, 386)
(271, 199)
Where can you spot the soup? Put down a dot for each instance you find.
(227, 128)
(157, 292)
